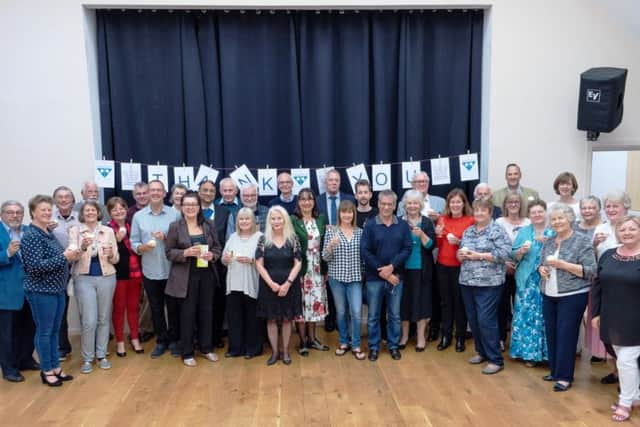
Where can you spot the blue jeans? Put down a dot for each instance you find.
(47, 310)
(375, 290)
(347, 294)
(562, 317)
(481, 306)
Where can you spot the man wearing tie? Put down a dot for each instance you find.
(16, 323)
(328, 203)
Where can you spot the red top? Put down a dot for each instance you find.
(455, 226)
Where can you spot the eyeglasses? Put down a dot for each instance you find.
(17, 213)
(286, 182)
(420, 181)
(190, 205)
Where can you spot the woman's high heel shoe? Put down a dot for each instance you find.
(62, 376)
(56, 383)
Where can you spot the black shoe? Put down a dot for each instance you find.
(273, 359)
(547, 377)
(434, 333)
(612, 378)
(13, 378)
(30, 366)
(460, 347)
(373, 355)
(232, 354)
(395, 354)
(65, 377)
(45, 381)
(145, 336)
(317, 345)
(419, 349)
(123, 354)
(329, 325)
(402, 346)
(286, 359)
(595, 359)
(303, 350)
(561, 387)
(445, 342)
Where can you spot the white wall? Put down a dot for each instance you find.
(534, 53)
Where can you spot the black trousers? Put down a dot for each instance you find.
(166, 328)
(245, 329)
(505, 313)
(196, 312)
(16, 339)
(451, 301)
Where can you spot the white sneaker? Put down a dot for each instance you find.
(190, 362)
(104, 363)
(86, 368)
(211, 357)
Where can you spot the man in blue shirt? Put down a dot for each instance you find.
(16, 323)
(385, 246)
(148, 233)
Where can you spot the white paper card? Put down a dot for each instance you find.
(301, 179)
(381, 177)
(130, 174)
(103, 173)
(469, 167)
(159, 172)
(205, 173)
(356, 173)
(268, 182)
(409, 169)
(243, 176)
(321, 177)
(184, 175)
(440, 173)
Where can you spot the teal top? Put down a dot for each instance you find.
(414, 262)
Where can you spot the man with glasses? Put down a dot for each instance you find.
(16, 323)
(433, 205)
(286, 199)
(249, 198)
(62, 219)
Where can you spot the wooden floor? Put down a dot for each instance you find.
(423, 389)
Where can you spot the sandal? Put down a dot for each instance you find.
(317, 345)
(342, 350)
(622, 413)
(634, 405)
(358, 354)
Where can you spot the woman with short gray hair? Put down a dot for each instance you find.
(616, 207)
(567, 265)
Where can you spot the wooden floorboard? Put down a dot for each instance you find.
(423, 389)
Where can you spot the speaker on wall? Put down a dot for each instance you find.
(601, 99)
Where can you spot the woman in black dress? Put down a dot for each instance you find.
(616, 296)
(278, 260)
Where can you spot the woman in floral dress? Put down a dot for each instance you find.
(528, 339)
(309, 226)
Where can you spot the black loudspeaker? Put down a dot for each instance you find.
(601, 98)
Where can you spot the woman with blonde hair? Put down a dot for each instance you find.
(278, 261)
(238, 256)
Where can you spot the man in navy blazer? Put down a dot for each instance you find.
(16, 323)
(332, 195)
(328, 204)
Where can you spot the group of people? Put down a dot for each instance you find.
(507, 261)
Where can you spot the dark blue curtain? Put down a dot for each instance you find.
(290, 88)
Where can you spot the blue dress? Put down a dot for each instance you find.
(528, 339)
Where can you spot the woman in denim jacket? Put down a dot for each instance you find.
(567, 264)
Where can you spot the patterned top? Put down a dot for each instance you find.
(46, 269)
(344, 261)
(491, 239)
(576, 249)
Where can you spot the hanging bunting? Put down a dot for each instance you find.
(468, 167)
(321, 178)
(301, 179)
(268, 182)
(409, 169)
(440, 173)
(205, 173)
(381, 177)
(104, 173)
(356, 173)
(184, 175)
(159, 172)
(130, 174)
(242, 176)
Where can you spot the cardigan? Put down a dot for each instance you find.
(576, 249)
(105, 237)
(301, 232)
(11, 274)
(178, 240)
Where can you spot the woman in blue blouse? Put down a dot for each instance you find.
(415, 305)
(341, 251)
(528, 338)
(46, 266)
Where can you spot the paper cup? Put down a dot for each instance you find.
(152, 243)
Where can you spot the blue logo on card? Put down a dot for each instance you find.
(104, 171)
(300, 179)
(469, 165)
